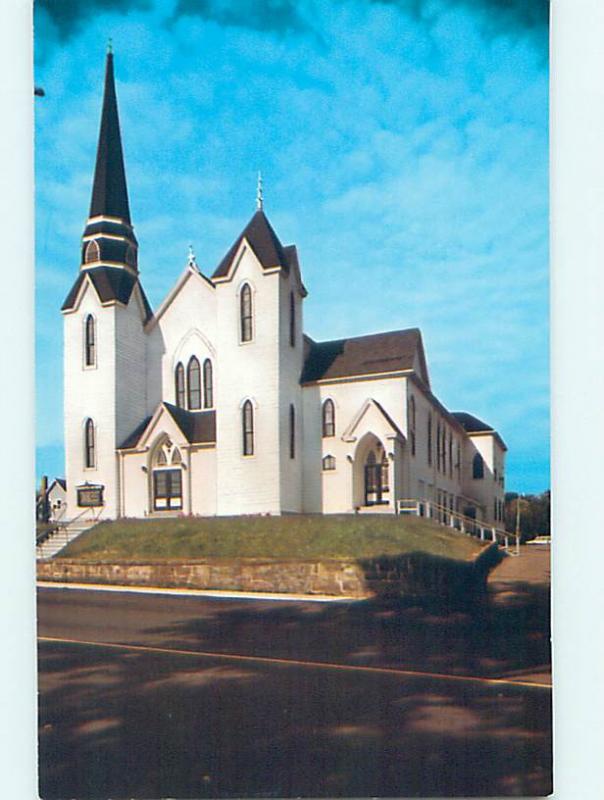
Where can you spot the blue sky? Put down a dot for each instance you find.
(404, 149)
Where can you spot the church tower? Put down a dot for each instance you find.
(104, 338)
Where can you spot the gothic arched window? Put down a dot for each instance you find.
(429, 439)
(179, 379)
(92, 252)
(90, 341)
(477, 467)
(246, 313)
(292, 319)
(329, 418)
(247, 425)
(292, 431)
(208, 385)
(89, 445)
(194, 384)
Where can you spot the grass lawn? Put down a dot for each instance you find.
(304, 537)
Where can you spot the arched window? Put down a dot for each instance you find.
(412, 423)
(477, 467)
(292, 319)
(329, 418)
(247, 425)
(450, 454)
(438, 445)
(179, 378)
(90, 341)
(92, 252)
(384, 473)
(194, 384)
(89, 445)
(246, 313)
(429, 440)
(329, 463)
(292, 431)
(208, 386)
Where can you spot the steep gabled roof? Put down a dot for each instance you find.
(198, 427)
(363, 355)
(264, 242)
(109, 191)
(110, 283)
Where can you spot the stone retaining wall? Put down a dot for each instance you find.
(410, 574)
(329, 577)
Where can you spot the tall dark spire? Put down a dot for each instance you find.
(109, 192)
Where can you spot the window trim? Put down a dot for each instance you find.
(247, 429)
(90, 324)
(328, 427)
(208, 384)
(88, 249)
(332, 460)
(246, 315)
(90, 454)
(180, 392)
(192, 366)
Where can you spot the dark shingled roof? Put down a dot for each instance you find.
(114, 228)
(111, 283)
(109, 192)
(471, 423)
(198, 427)
(133, 439)
(363, 355)
(264, 242)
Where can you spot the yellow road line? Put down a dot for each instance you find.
(296, 663)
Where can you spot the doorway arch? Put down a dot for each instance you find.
(371, 473)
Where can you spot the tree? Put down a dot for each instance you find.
(534, 514)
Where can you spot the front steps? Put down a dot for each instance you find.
(65, 533)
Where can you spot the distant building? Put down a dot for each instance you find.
(218, 403)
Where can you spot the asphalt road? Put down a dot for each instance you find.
(156, 696)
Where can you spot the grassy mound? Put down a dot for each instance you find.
(304, 537)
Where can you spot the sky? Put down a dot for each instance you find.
(403, 146)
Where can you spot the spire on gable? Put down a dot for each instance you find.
(109, 191)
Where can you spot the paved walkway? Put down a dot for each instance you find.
(531, 566)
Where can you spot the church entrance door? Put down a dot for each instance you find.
(376, 480)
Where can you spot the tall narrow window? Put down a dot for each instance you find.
(194, 384)
(247, 420)
(292, 431)
(429, 438)
(246, 313)
(450, 454)
(90, 344)
(89, 445)
(208, 385)
(329, 418)
(292, 319)
(477, 467)
(438, 445)
(412, 423)
(179, 380)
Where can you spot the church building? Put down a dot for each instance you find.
(218, 403)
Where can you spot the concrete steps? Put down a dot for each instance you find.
(65, 533)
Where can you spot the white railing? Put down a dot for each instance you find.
(459, 522)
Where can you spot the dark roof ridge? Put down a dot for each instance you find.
(364, 336)
(263, 240)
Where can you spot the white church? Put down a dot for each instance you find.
(217, 403)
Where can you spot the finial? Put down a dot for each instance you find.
(259, 195)
(109, 45)
(191, 262)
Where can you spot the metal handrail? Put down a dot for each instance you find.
(453, 519)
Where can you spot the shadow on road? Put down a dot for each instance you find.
(140, 724)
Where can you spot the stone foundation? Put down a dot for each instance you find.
(407, 575)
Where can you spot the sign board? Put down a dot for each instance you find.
(90, 496)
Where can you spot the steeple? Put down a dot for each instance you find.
(109, 240)
(109, 192)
